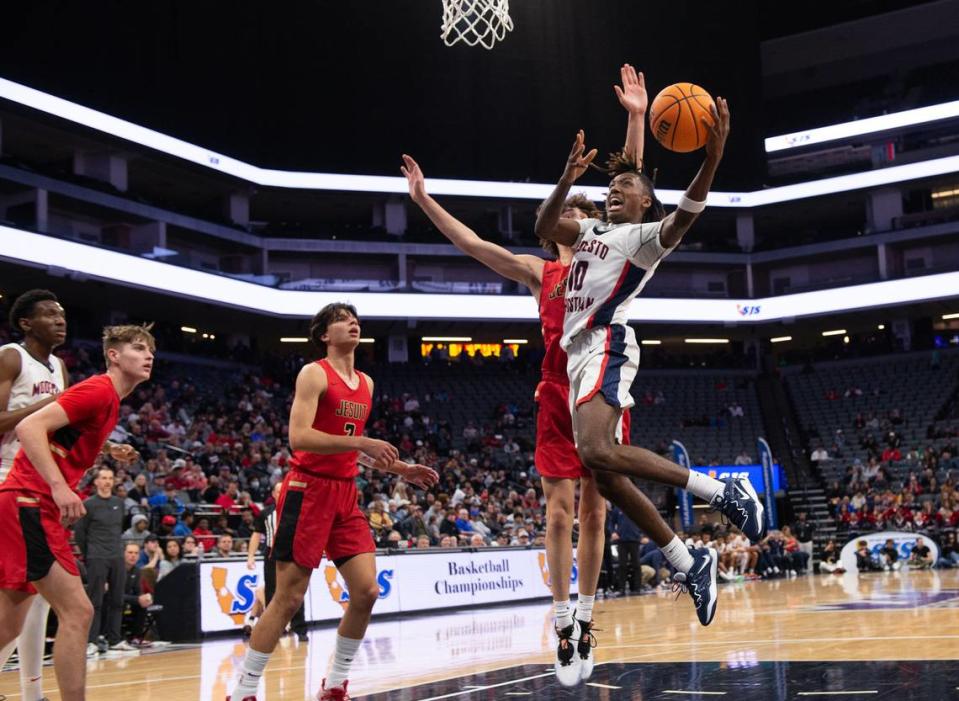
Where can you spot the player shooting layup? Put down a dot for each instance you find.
(613, 261)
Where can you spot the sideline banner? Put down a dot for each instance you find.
(408, 582)
(903, 541)
(768, 483)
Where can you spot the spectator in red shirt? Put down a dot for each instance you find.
(227, 500)
(204, 536)
(891, 455)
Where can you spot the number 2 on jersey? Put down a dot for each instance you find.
(577, 274)
(349, 429)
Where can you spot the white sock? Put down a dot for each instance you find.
(342, 659)
(584, 607)
(564, 614)
(250, 673)
(704, 486)
(30, 646)
(678, 555)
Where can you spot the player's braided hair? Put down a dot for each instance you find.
(619, 163)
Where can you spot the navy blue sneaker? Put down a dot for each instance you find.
(741, 505)
(700, 582)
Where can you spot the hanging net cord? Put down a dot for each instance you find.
(475, 22)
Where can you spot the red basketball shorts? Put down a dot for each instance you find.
(317, 515)
(33, 539)
(556, 455)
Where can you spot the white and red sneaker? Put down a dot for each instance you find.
(245, 698)
(336, 693)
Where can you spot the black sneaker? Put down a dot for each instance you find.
(741, 505)
(568, 662)
(700, 582)
(584, 649)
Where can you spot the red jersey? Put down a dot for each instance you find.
(93, 407)
(341, 411)
(552, 311)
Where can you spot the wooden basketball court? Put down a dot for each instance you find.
(890, 635)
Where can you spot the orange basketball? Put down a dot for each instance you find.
(675, 117)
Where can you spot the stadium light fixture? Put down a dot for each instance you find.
(870, 125)
(881, 327)
(187, 329)
(447, 339)
(780, 339)
(367, 340)
(515, 341)
(707, 340)
(294, 339)
(651, 342)
(340, 182)
(835, 332)
(950, 316)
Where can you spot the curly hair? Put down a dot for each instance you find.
(24, 305)
(583, 204)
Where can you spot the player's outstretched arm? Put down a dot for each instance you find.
(526, 270)
(34, 432)
(632, 96)
(676, 224)
(310, 386)
(549, 224)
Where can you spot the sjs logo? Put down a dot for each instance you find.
(715, 474)
(745, 310)
(340, 595)
(234, 604)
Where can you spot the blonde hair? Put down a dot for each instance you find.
(116, 336)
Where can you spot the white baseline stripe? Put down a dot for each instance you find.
(470, 690)
(834, 693)
(130, 270)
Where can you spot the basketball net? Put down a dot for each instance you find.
(473, 22)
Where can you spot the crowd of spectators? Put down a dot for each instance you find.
(891, 485)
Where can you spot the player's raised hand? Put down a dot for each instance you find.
(718, 130)
(414, 176)
(632, 96)
(421, 476)
(70, 505)
(383, 454)
(579, 159)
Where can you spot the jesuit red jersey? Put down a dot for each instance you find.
(93, 409)
(552, 310)
(340, 411)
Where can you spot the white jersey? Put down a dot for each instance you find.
(611, 265)
(34, 383)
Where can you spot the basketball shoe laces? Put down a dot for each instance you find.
(683, 586)
(565, 646)
(587, 641)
